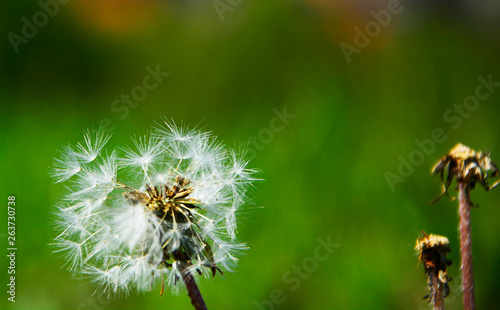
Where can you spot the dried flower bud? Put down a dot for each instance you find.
(467, 166)
(432, 251)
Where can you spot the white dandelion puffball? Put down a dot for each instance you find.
(145, 214)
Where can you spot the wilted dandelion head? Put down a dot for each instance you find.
(467, 166)
(432, 251)
(142, 214)
(432, 243)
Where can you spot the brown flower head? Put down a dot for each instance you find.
(432, 251)
(467, 166)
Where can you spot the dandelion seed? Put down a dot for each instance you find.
(66, 166)
(73, 252)
(94, 142)
(147, 152)
(163, 210)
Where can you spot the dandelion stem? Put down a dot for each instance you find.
(193, 291)
(466, 246)
(436, 295)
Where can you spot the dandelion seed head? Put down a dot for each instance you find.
(138, 215)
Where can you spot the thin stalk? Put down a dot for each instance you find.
(466, 246)
(193, 291)
(436, 292)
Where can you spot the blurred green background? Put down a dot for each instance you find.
(231, 65)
